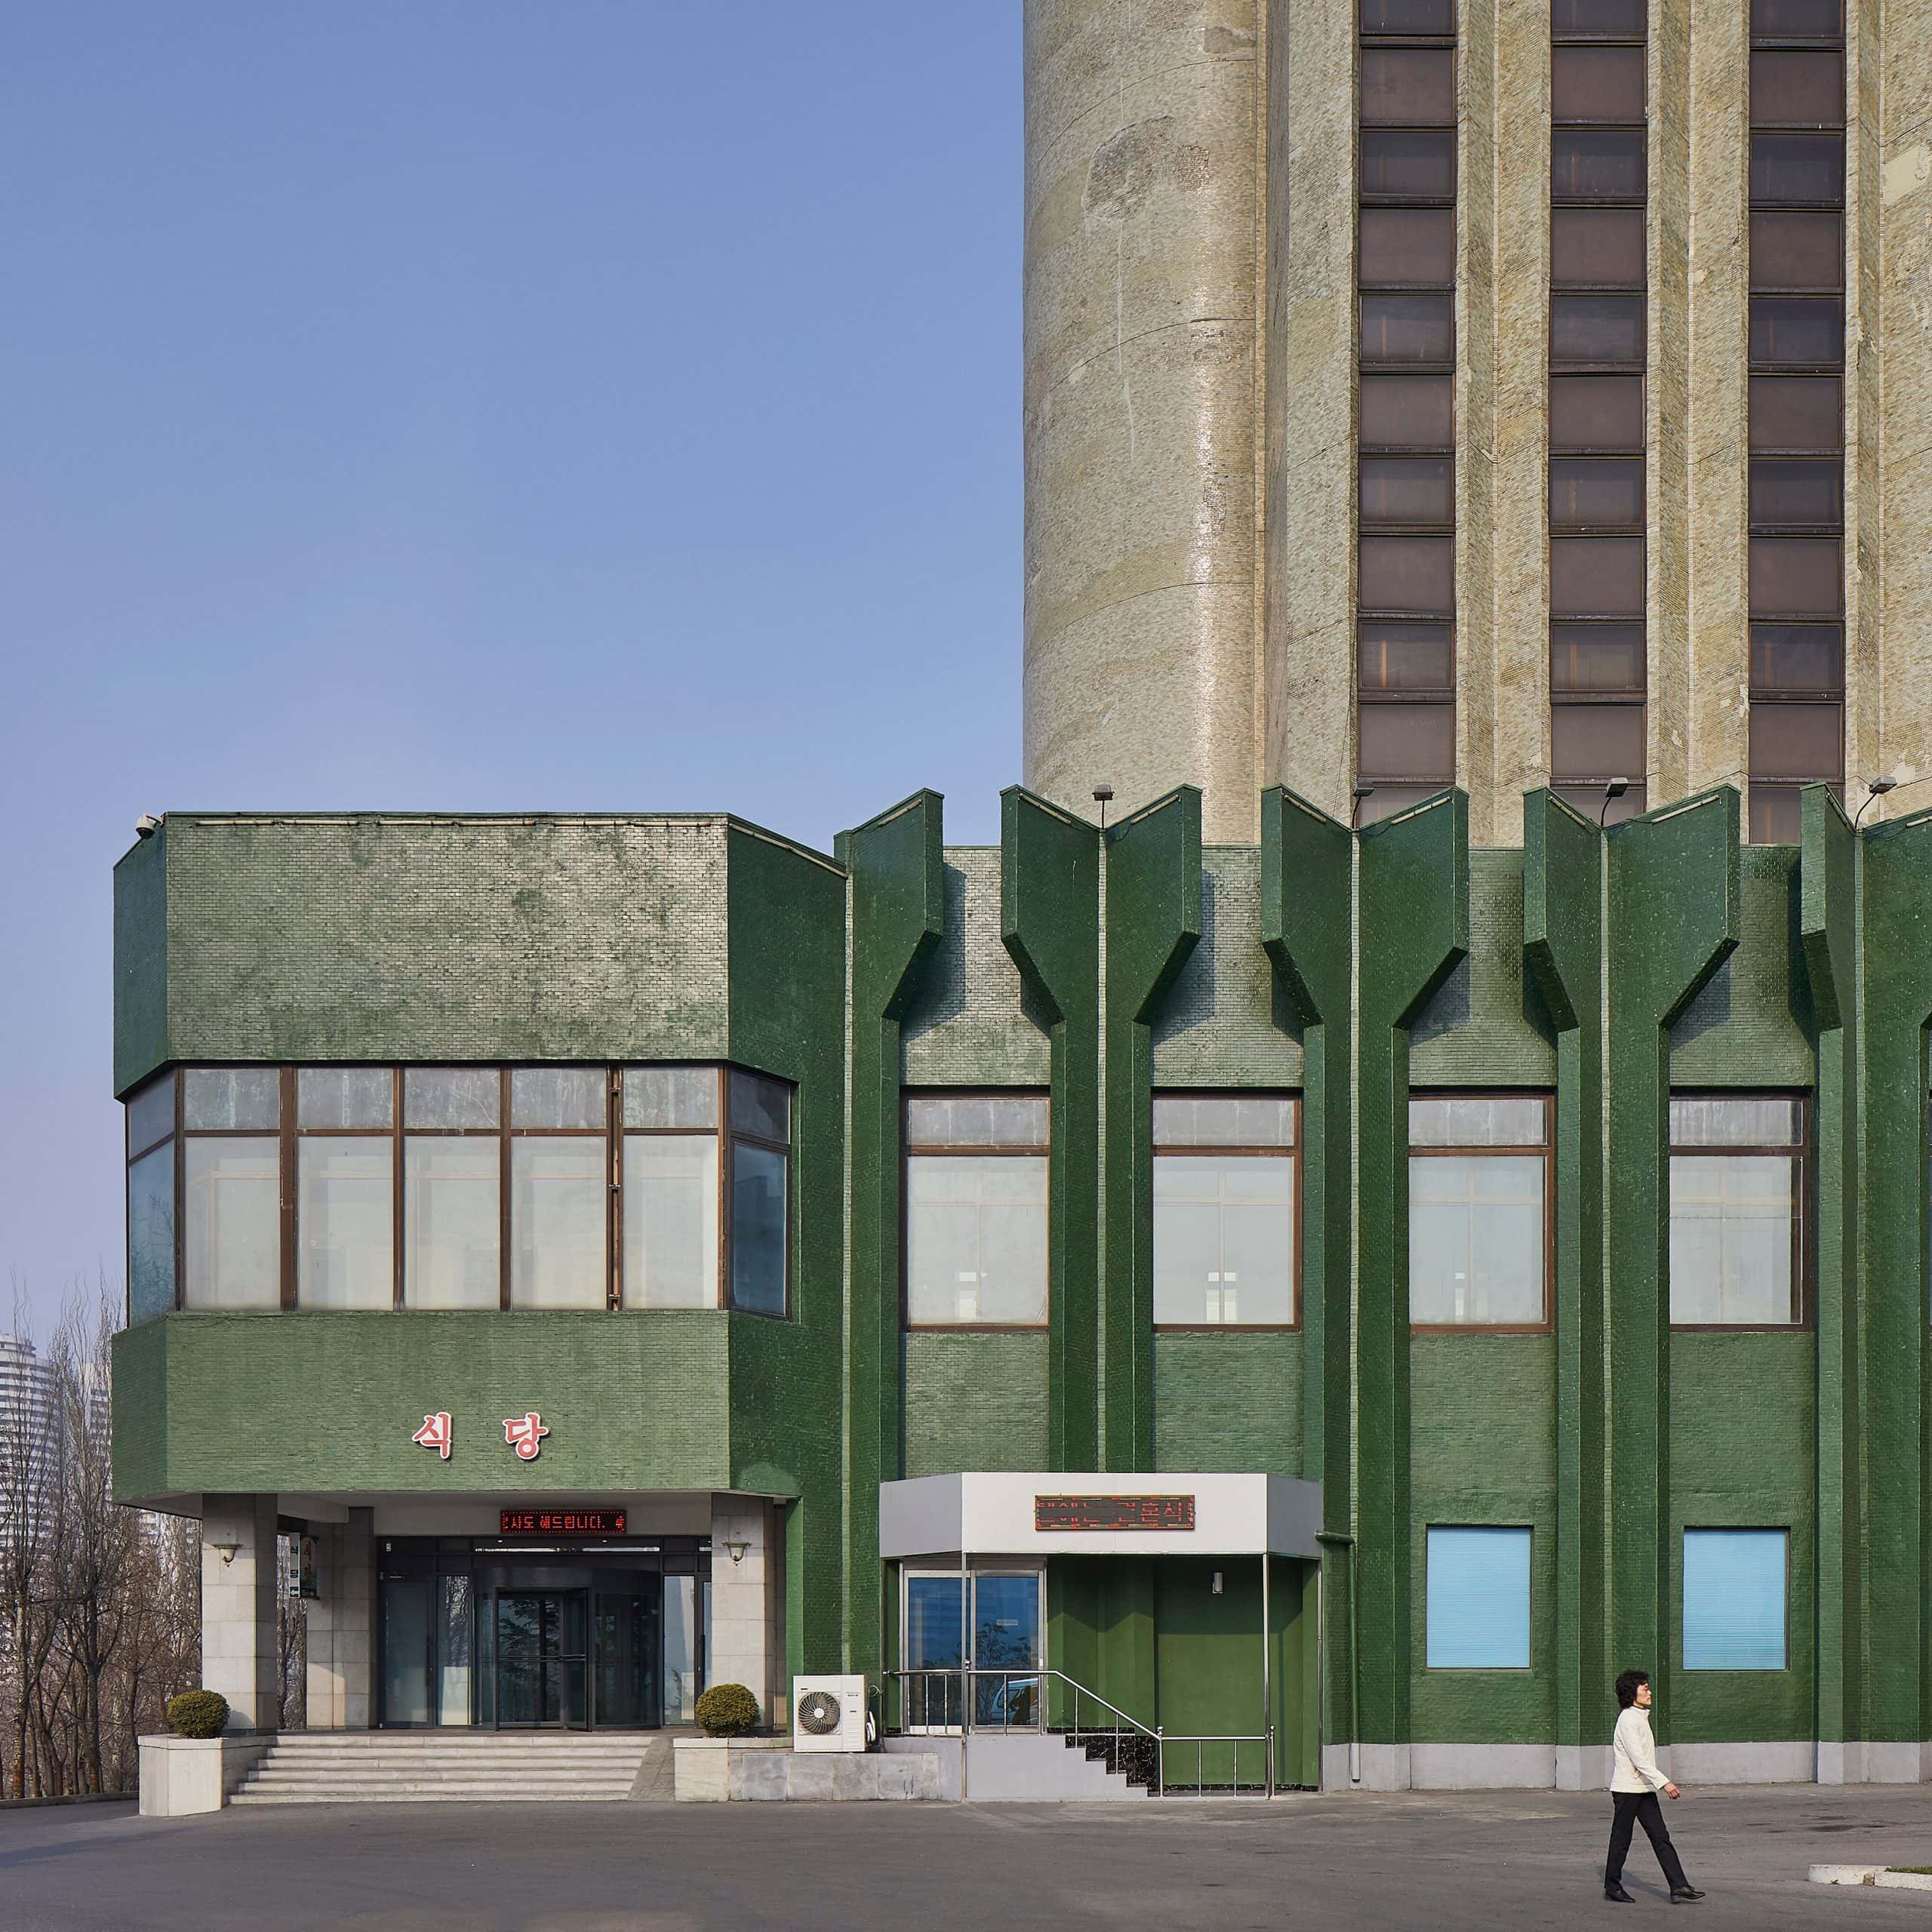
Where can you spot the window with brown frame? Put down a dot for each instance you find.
(1227, 1210)
(976, 1231)
(1405, 425)
(375, 1187)
(1739, 1186)
(1481, 1180)
(1797, 355)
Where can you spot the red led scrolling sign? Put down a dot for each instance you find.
(1107, 1513)
(561, 1522)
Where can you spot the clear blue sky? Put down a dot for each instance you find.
(409, 404)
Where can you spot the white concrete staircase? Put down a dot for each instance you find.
(449, 1767)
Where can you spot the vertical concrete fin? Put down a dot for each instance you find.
(1413, 930)
(897, 867)
(1563, 862)
(1675, 892)
(1050, 923)
(1153, 916)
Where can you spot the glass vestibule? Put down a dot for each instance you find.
(1006, 1633)
(611, 1636)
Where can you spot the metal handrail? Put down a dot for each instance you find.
(1125, 1726)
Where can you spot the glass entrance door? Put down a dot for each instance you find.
(1006, 1638)
(541, 1662)
(625, 1675)
(935, 1650)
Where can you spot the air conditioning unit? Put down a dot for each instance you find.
(828, 1714)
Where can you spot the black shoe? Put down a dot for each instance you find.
(1617, 1895)
(1684, 1894)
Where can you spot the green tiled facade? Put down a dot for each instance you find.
(1353, 969)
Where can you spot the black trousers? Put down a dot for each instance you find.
(1641, 1807)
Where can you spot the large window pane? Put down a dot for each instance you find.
(1408, 412)
(345, 1222)
(451, 1096)
(1589, 413)
(452, 1222)
(150, 1234)
(1596, 657)
(1412, 741)
(345, 1097)
(1798, 168)
(1408, 86)
(1415, 16)
(662, 1096)
(1397, 329)
(1792, 87)
(1479, 1120)
(671, 1220)
(758, 1228)
(1398, 491)
(1595, 741)
(1731, 1220)
(1476, 1240)
(1597, 83)
(1407, 247)
(681, 1683)
(1477, 1583)
(1596, 248)
(1588, 331)
(1224, 1120)
(1776, 814)
(228, 1098)
(1795, 251)
(1734, 1598)
(1798, 741)
(1610, 20)
(977, 1119)
(557, 1197)
(556, 1097)
(1395, 656)
(1736, 1120)
(976, 1236)
(1408, 164)
(232, 1244)
(408, 1626)
(151, 1113)
(1802, 494)
(1797, 657)
(1596, 492)
(1796, 576)
(1404, 573)
(1797, 331)
(761, 1106)
(1596, 577)
(1796, 19)
(1597, 164)
(1224, 1238)
(1797, 413)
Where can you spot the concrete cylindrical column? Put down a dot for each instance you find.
(1142, 660)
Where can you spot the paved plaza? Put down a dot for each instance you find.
(1488, 1858)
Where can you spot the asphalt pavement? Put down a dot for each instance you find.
(1415, 1860)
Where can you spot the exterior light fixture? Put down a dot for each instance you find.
(1614, 788)
(146, 825)
(225, 1551)
(1875, 788)
(1217, 1583)
(1102, 797)
(735, 1550)
(1361, 792)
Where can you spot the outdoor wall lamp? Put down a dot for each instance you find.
(1102, 797)
(225, 1551)
(1361, 792)
(735, 1550)
(1614, 788)
(1875, 788)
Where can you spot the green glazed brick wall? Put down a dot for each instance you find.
(974, 1402)
(1747, 1027)
(970, 1022)
(1482, 1435)
(1226, 1023)
(1487, 1026)
(1230, 1402)
(141, 960)
(328, 1401)
(1743, 1456)
(386, 938)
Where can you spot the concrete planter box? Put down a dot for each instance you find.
(713, 1770)
(182, 1776)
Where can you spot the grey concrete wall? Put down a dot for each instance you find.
(241, 1653)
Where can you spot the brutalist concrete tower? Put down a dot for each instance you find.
(1422, 391)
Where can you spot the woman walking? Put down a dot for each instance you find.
(1634, 1785)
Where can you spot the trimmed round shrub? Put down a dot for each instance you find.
(198, 1713)
(726, 1710)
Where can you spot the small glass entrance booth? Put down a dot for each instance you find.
(542, 1633)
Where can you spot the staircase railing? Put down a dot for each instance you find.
(1015, 1700)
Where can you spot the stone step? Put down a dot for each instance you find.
(437, 1795)
(508, 1753)
(290, 1774)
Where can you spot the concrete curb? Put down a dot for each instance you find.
(1870, 1875)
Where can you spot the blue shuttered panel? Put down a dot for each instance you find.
(1734, 1599)
(1478, 1599)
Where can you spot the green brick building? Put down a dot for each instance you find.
(1558, 1214)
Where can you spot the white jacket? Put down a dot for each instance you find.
(1636, 1754)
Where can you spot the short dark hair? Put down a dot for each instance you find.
(1626, 1688)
